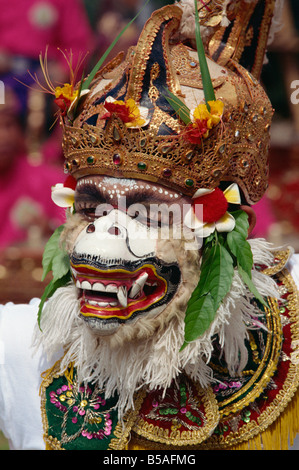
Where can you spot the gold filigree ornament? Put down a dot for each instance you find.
(235, 150)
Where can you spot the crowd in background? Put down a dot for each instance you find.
(30, 141)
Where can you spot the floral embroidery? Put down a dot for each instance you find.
(182, 411)
(79, 415)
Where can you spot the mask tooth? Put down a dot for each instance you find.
(85, 285)
(98, 286)
(122, 296)
(111, 288)
(138, 285)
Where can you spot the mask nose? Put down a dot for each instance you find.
(114, 230)
(116, 236)
(111, 229)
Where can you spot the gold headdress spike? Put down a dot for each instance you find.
(233, 29)
(238, 30)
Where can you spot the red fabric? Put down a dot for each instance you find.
(27, 27)
(29, 185)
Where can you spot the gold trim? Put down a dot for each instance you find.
(145, 43)
(123, 433)
(271, 356)
(275, 409)
(283, 257)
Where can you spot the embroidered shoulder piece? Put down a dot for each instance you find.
(79, 417)
(184, 415)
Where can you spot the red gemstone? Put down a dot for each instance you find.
(116, 159)
(167, 172)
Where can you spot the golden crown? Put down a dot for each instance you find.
(236, 149)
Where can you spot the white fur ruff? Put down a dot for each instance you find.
(155, 361)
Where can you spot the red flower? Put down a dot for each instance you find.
(63, 104)
(213, 205)
(195, 131)
(122, 111)
(70, 182)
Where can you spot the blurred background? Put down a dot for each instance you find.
(31, 159)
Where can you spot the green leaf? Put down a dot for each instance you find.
(51, 250)
(241, 249)
(199, 318)
(214, 284)
(74, 111)
(242, 224)
(205, 73)
(252, 287)
(60, 265)
(179, 107)
(53, 285)
(216, 274)
(56, 260)
(98, 65)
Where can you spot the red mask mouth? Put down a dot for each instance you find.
(119, 293)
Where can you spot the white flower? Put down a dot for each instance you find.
(62, 196)
(209, 210)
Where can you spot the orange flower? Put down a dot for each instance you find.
(65, 96)
(128, 111)
(202, 120)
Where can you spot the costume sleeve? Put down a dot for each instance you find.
(20, 418)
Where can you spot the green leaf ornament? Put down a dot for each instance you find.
(215, 282)
(178, 106)
(55, 259)
(204, 69)
(222, 254)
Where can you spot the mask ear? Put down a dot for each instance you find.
(251, 217)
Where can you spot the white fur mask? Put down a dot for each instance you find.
(147, 352)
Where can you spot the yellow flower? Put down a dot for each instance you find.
(201, 112)
(135, 114)
(212, 117)
(66, 91)
(216, 111)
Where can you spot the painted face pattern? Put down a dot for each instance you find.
(115, 265)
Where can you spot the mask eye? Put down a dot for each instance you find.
(88, 212)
